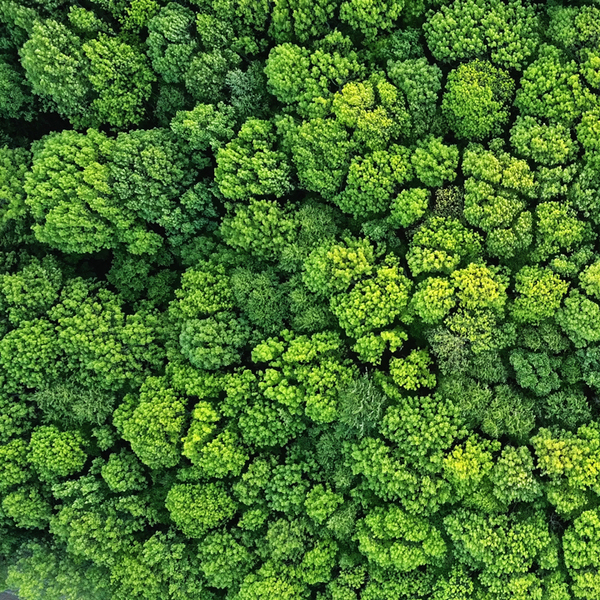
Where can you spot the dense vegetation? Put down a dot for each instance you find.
(300, 299)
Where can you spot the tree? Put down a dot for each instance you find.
(374, 109)
(250, 165)
(507, 32)
(558, 229)
(370, 17)
(546, 144)
(124, 473)
(14, 164)
(261, 228)
(299, 20)
(441, 245)
(373, 303)
(103, 80)
(581, 556)
(393, 539)
(421, 83)
(361, 409)
(434, 162)
(433, 299)
(224, 561)
(335, 266)
(321, 150)
(551, 88)
(540, 294)
(53, 59)
(80, 213)
(513, 477)
(303, 79)
(121, 80)
(497, 193)
(412, 372)
(198, 508)
(54, 453)
(408, 207)
(570, 461)
(207, 126)
(149, 171)
(27, 508)
(300, 299)
(476, 100)
(171, 44)
(14, 464)
(153, 423)
(515, 543)
(30, 292)
(372, 180)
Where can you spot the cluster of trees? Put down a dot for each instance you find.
(300, 299)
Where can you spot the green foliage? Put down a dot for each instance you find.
(321, 503)
(152, 423)
(590, 280)
(123, 473)
(434, 162)
(206, 126)
(52, 58)
(580, 319)
(72, 403)
(372, 181)
(551, 88)
(408, 207)
(374, 109)
(14, 164)
(370, 17)
(102, 80)
(476, 99)
(540, 294)
(122, 80)
(15, 99)
(15, 469)
(79, 212)
(55, 453)
(570, 462)
(558, 229)
(224, 561)
(393, 539)
(514, 542)
(304, 79)
(421, 83)
(513, 478)
(300, 299)
(373, 303)
(251, 166)
(412, 372)
(581, 556)
(334, 267)
(170, 41)
(299, 20)
(466, 29)
(433, 299)
(361, 406)
(213, 342)
(496, 194)
(198, 508)
(27, 508)
(30, 292)
(321, 152)
(441, 245)
(262, 298)
(546, 144)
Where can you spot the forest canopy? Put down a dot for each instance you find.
(300, 299)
